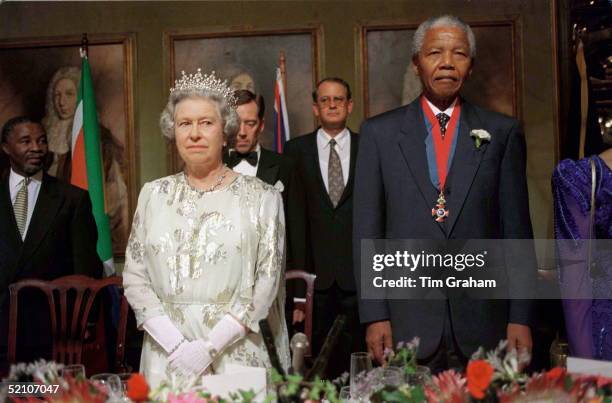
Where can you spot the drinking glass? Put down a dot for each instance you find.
(421, 376)
(110, 383)
(392, 376)
(558, 354)
(75, 371)
(345, 394)
(361, 364)
(124, 377)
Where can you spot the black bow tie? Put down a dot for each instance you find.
(236, 157)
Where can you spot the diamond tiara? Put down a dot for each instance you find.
(199, 81)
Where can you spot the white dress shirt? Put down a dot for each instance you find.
(448, 111)
(343, 148)
(15, 183)
(244, 167)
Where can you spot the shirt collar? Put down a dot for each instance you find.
(448, 111)
(15, 179)
(341, 138)
(257, 150)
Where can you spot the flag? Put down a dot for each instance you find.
(281, 119)
(87, 172)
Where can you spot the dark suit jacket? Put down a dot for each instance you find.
(272, 168)
(61, 240)
(487, 198)
(328, 228)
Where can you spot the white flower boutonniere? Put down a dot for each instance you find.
(480, 136)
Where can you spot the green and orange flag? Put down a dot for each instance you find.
(87, 169)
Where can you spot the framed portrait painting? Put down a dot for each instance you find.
(39, 78)
(248, 59)
(389, 81)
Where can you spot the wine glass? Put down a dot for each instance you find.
(345, 394)
(421, 376)
(110, 383)
(361, 364)
(124, 377)
(391, 376)
(75, 371)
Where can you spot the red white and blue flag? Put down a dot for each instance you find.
(281, 118)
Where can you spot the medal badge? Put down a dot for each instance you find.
(440, 213)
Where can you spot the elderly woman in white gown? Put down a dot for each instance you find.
(204, 262)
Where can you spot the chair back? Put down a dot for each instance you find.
(304, 304)
(70, 301)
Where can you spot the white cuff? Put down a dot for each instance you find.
(226, 332)
(164, 332)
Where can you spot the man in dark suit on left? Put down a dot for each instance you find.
(48, 231)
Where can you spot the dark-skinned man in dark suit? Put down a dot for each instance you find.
(48, 231)
(407, 188)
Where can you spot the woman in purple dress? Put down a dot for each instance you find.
(587, 294)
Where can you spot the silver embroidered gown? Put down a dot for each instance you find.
(196, 256)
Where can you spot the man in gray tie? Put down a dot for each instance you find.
(326, 165)
(48, 231)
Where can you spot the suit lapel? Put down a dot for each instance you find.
(412, 146)
(314, 164)
(348, 189)
(465, 164)
(47, 205)
(267, 169)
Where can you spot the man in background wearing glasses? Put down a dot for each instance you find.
(326, 164)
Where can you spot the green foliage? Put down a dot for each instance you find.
(293, 388)
(243, 396)
(402, 394)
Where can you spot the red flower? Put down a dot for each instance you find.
(479, 375)
(137, 388)
(555, 374)
(603, 381)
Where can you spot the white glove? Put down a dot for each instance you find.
(225, 333)
(191, 358)
(164, 332)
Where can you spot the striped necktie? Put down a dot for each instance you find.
(20, 207)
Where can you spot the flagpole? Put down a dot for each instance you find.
(283, 69)
(84, 45)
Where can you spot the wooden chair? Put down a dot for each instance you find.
(304, 304)
(69, 330)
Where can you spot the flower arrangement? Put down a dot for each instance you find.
(494, 376)
(404, 356)
(497, 376)
(177, 390)
(293, 388)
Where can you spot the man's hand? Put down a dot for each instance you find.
(378, 338)
(298, 316)
(519, 337)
